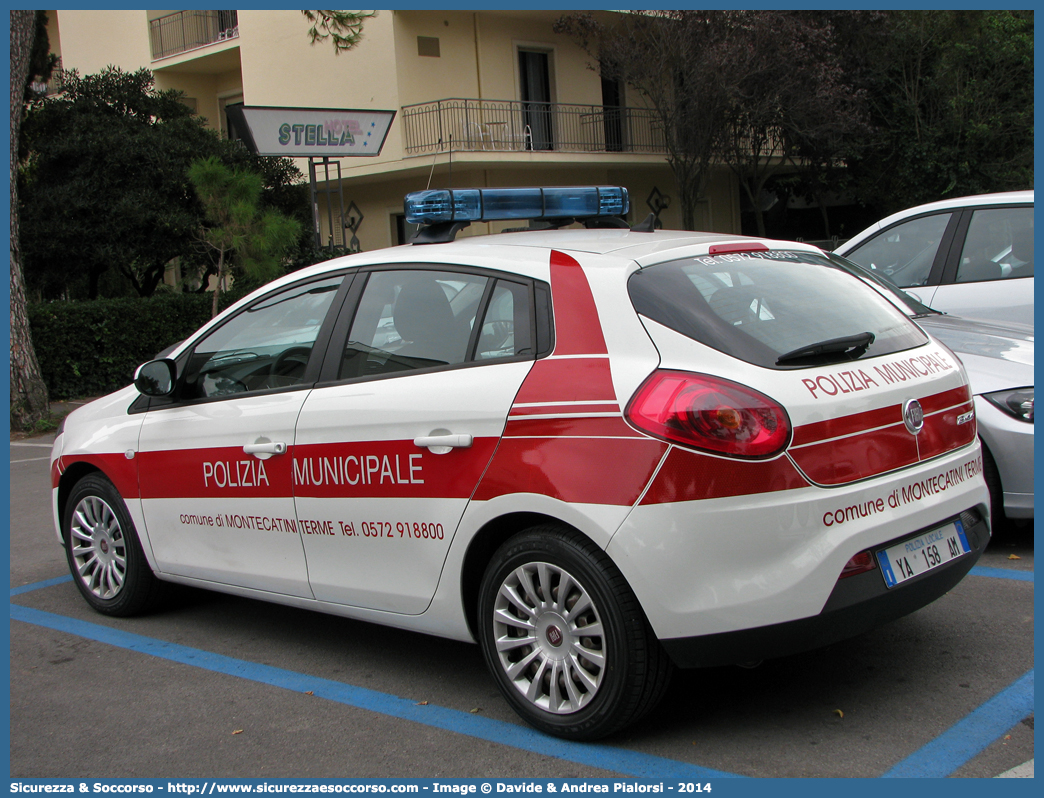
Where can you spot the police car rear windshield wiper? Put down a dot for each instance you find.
(848, 348)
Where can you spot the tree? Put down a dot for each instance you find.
(106, 189)
(790, 105)
(673, 59)
(239, 232)
(42, 62)
(748, 89)
(283, 190)
(952, 102)
(28, 393)
(342, 28)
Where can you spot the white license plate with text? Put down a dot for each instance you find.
(923, 553)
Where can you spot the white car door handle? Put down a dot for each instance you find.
(446, 442)
(268, 447)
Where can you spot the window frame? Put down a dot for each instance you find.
(948, 272)
(329, 371)
(942, 253)
(319, 348)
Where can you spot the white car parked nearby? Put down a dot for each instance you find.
(970, 256)
(999, 361)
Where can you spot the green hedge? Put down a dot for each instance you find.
(92, 348)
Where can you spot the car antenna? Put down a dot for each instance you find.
(449, 153)
(449, 176)
(433, 160)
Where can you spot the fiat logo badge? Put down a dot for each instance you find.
(913, 416)
(554, 636)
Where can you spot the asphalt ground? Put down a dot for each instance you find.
(222, 687)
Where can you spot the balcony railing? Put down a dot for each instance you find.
(53, 86)
(189, 30)
(461, 125)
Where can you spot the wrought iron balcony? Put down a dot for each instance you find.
(188, 30)
(53, 86)
(460, 125)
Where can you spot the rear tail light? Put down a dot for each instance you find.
(864, 561)
(711, 414)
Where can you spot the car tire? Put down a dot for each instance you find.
(998, 520)
(104, 553)
(580, 665)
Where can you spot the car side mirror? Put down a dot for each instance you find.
(156, 378)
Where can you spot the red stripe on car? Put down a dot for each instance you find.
(354, 469)
(570, 427)
(690, 476)
(568, 380)
(565, 408)
(577, 329)
(601, 466)
(859, 423)
(844, 460)
(941, 432)
(855, 424)
(578, 470)
(123, 473)
(946, 399)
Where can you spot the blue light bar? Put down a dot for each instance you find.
(493, 204)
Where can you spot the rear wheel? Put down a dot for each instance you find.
(104, 554)
(565, 637)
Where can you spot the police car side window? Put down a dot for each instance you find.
(506, 325)
(410, 319)
(266, 346)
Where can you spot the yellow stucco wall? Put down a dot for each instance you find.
(54, 37)
(92, 40)
(453, 73)
(273, 63)
(381, 201)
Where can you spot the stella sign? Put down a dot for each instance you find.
(311, 132)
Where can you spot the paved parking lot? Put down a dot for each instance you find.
(217, 686)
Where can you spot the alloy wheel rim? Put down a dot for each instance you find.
(99, 549)
(549, 638)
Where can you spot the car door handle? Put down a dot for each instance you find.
(441, 444)
(267, 447)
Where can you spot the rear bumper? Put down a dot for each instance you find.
(856, 605)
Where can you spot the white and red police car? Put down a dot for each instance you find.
(598, 452)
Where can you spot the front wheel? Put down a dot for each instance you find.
(565, 637)
(104, 554)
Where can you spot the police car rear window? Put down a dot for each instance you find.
(773, 308)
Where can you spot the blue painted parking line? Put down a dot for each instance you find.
(615, 760)
(970, 736)
(17, 591)
(1001, 573)
(941, 757)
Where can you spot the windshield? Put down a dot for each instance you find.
(778, 309)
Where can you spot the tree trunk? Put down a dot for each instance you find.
(691, 185)
(28, 392)
(217, 283)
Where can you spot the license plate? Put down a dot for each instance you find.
(923, 553)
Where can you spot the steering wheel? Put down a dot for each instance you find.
(220, 385)
(495, 334)
(291, 363)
